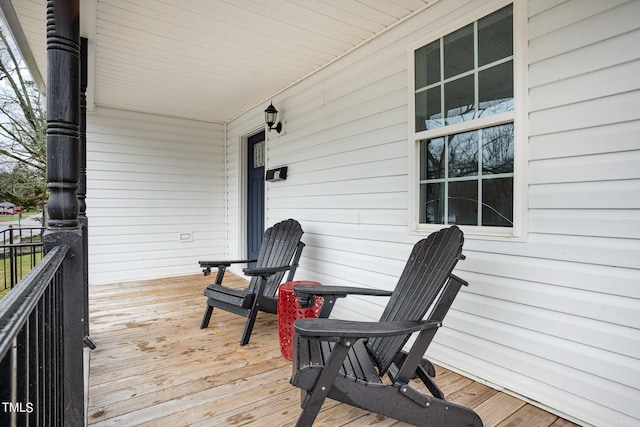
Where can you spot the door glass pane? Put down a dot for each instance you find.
(463, 203)
(495, 89)
(497, 149)
(497, 202)
(463, 154)
(258, 155)
(458, 52)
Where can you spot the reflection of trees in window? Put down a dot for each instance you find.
(497, 202)
(479, 191)
(432, 152)
(463, 154)
(497, 149)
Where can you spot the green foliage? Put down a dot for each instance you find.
(23, 186)
(23, 126)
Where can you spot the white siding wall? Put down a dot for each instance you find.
(149, 179)
(555, 319)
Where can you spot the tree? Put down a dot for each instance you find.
(23, 186)
(23, 126)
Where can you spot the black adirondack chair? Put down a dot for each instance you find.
(346, 360)
(280, 252)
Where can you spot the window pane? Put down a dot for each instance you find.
(497, 149)
(420, 67)
(428, 109)
(458, 52)
(467, 178)
(463, 154)
(463, 203)
(495, 36)
(434, 108)
(421, 111)
(495, 89)
(497, 202)
(432, 158)
(427, 64)
(459, 100)
(432, 203)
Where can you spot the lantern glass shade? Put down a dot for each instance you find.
(270, 115)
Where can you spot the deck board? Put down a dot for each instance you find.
(153, 366)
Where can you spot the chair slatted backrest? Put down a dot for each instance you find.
(278, 248)
(426, 273)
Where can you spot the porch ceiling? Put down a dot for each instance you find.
(210, 59)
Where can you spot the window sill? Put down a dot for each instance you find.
(503, 234)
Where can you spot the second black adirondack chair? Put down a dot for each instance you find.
(347, 360)
(280, 252)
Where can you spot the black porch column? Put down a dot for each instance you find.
(82, 184)
(63, 111)
(82, 132)
(63, 120)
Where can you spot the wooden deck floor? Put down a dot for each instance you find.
(153, 366)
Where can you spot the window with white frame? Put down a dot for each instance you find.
(463, 125)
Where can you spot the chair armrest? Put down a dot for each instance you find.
(206, 265)
(306, 293)
(333, 328)
(265, 271)
(337, 291)
(226, 263)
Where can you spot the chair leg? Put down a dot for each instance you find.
(307, 417)
(311, 408)
(253, 312)
(207, 317)
(423, 374)
(314, 398)
(248, 328)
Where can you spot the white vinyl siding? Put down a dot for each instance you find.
(150, 179)
(552, 318)
(556, 319)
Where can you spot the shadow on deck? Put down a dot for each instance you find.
(153, 366)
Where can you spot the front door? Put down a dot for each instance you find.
(255, 194)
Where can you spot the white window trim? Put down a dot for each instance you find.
(519, 116)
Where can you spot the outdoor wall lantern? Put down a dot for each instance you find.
(270, 115)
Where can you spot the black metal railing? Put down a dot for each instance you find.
(21, 250)
(32, 370)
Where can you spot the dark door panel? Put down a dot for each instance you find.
(255, 193)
